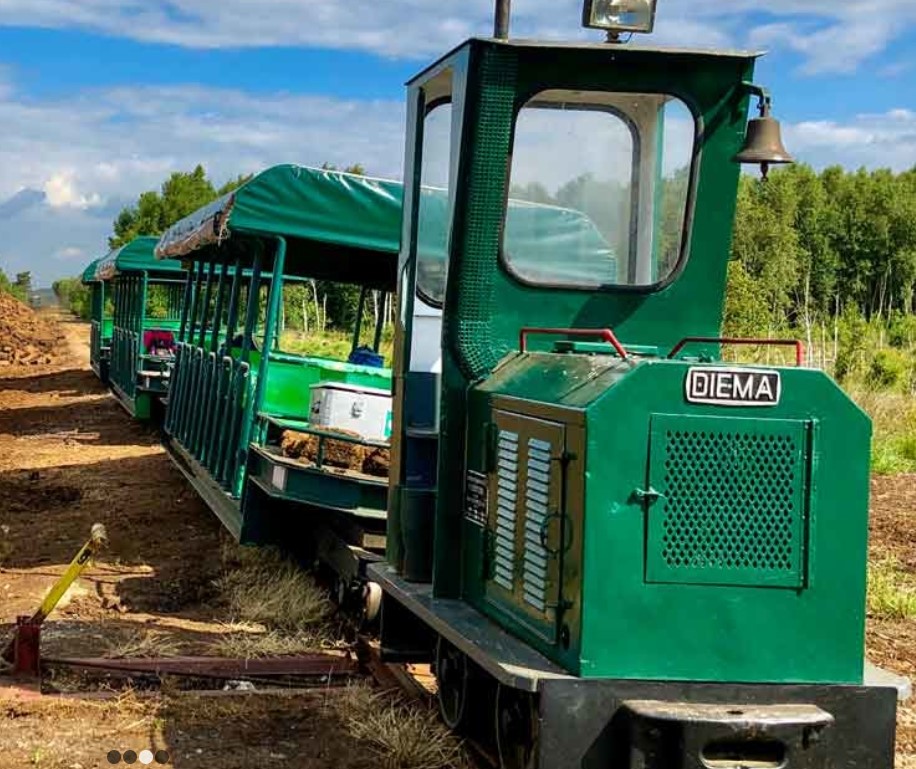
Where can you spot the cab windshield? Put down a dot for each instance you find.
(599, 189)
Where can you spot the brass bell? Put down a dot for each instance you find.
(763, 142)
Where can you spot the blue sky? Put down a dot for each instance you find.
(101, 99)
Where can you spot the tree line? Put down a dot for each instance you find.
(825, 256)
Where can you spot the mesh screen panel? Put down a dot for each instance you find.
(733, 501)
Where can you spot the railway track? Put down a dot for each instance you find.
(220, 677)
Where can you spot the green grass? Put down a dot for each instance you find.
(894, 419)
(332, 344)
(891, 591)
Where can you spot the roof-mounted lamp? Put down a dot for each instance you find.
(619, 16)
(763, 142)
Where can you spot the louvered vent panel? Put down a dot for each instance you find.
(506, 504)
(537, 500)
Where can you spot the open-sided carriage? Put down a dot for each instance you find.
(100, 320)
(247, 420)
(136, 311)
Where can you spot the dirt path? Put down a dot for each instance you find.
(892, 641)
(70, 457)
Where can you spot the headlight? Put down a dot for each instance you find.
(620, 15)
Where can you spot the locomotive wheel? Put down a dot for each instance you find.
(453, 673)
(517, 728)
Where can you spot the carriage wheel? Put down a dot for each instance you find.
(372, 602)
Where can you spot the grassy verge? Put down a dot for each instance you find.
(332, 344)
(401, 735)
(894, 419)
(891, 591)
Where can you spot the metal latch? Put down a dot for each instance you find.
(647, 496)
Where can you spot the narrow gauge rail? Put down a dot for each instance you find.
(616, 549)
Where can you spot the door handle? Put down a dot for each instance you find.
(648, 496)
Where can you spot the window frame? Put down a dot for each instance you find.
(428, 109)
(504, 258)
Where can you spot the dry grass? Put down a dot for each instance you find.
(263, 587)
(276, 608)
(399, 734)
(891, 591)
(142, 643)
(255, 642)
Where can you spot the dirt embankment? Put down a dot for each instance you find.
(27, 339)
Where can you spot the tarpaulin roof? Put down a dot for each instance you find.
(136, 256)
(89, 272)
(346, 227)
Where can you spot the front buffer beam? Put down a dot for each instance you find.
(587, 724)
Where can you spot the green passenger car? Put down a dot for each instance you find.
(100, 320)
(236, 393)
(136, 310)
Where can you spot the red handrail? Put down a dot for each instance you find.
(799, 346)
(605, 333)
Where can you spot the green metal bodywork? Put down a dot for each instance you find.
(100, 321)
(757, 525)
(624, 532)
(230, 401)
(121, 283)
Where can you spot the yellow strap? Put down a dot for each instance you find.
(76, 567)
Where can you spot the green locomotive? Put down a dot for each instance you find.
(619, 549)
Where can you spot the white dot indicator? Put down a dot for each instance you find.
(146, 756)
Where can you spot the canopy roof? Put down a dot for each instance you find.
(136, 256)
(343, 227)
(89, 272)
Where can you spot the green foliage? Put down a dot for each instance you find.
(16, 288)
(817, 241)
(233, 184)
(181, 194)
(74, 296)
(357, 169)
(891, 591)
(746, 311)
(890, 368)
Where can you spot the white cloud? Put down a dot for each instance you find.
(70, 253)
(60, 191)
(887, 140)
(832, 36)
(68, 164)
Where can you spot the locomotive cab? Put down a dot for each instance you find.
(630, 539)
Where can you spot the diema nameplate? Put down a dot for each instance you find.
(733, 386)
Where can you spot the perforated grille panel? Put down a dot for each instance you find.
(732, 502)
